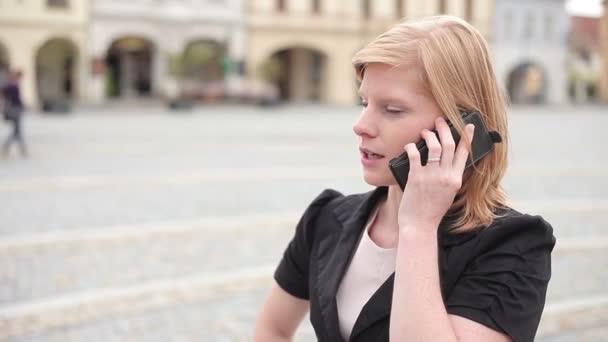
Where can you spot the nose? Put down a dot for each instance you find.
(364, 126)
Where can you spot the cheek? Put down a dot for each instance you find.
(401, 137)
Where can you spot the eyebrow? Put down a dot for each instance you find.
(389, 98)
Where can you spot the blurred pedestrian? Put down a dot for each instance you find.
(442, 257)
(3, 74)
(12, 111)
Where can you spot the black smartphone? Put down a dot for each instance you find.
(483, 143)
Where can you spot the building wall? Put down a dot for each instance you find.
(169, 25)
(337, 32)
(532, 32)
(603, 86)
(25, 26)
(584, 58)
(252, 32)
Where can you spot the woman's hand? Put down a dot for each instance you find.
(431, 189)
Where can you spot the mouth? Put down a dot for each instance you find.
(367, 154)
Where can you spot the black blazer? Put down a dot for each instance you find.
(496, 276)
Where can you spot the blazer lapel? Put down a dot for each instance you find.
(379, 306)
(352, 215)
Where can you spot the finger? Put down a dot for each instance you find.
(462, 154)
(414, 157)
(433, 145)
(447, 142)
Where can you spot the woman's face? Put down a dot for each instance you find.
(395, 111)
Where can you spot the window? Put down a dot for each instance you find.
(281, 5)
(468, 10)
(366, 8)
(316, 6)
(443, 6)
(57, 3)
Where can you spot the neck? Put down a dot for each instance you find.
(388, 212)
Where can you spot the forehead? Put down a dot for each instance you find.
(383, 79)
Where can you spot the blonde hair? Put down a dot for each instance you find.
(454, 68)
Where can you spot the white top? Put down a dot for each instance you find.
(369, 268)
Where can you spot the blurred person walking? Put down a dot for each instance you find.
(12, 112)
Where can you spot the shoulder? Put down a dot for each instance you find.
(318, 210)
(515, 242)
(518, 230)
(508, 268)
(325, 197)
(321, 205)
(331, 210)
(330, 200)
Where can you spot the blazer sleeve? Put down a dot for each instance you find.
(505, 285)
(292, 272)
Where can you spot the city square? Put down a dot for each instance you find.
(143, 224)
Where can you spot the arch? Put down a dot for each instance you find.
(337, 73)
(527, 83)
(298, 72)
(304, 45)
(267, 44)
(203, 60)
(110, 35)
(56, 70)
(129, 67)
(201, 69)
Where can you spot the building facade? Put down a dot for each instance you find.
(99, 50)
(156, 47)
(584, 60)
(305, 47)
(46, 41)
(530, 49)
(603, 83)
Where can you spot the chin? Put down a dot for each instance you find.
(376, 179)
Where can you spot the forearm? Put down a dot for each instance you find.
(279, 316)
(418, 312)
(266, 332)
(270, 337)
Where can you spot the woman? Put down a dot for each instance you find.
(443, 260)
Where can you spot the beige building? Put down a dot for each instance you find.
(306, 46)
(161, 48)
(92, 51)
(46, 40)
(603, 86)
(530, 51)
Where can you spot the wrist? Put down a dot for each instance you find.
(420, 232)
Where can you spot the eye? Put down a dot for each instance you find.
(393, 110)
(362, 103)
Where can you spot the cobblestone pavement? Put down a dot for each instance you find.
(110, 200)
